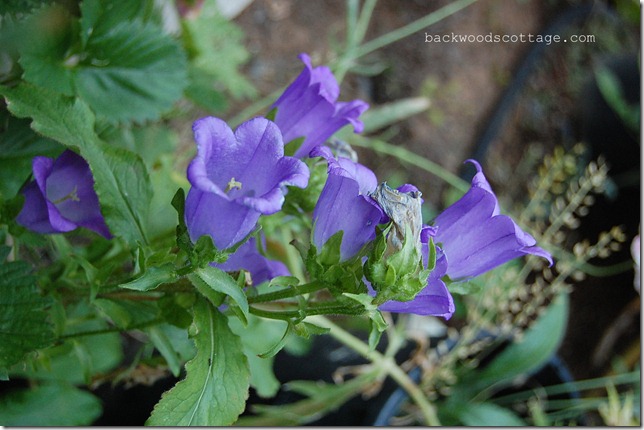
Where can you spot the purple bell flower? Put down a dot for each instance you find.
(61, 197)
(249, 258)
(236, 177)
(344, 205)
(473, 238)
(309, 108)
(476, 238)
(435, 299)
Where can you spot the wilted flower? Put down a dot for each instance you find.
(472, 238)
(249, 258)
(344, 205)
(236, 178)
(61, 197)
(309, 109)
(435, 298)
(476, 238)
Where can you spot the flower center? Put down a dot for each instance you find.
(73, 196)
(232, 184)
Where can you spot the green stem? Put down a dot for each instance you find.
(388, 364)
(356, 31)
(288, 292)
(293, 259)
(411, 28)
(319, 309)
(155, 321)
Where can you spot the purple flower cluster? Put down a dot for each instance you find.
(239, 176)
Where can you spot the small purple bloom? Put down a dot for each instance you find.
(476, 238)
(435, 298)
(61, 197)
(344, 205)
(248, 257)
(309, 108)
(236, 178)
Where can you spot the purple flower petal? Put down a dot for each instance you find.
(249, 258)
(236, 177)
(62, 197)
(476, 238)
(343, 206)
(308, 108)
(435, 299)
(224, 221)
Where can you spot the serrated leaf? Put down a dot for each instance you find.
(216, 386)
(134, 72)
(18, 7)
(99, 16)
(50, 404)
(23, 320)
(121, 179)
(221, 282)
(152, 278)
(45, 40)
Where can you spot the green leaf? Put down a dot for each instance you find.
(128, 314)
(84, 349)
(50, 404)
(64, 119)
(221, 282)
(99, 16)
(164, 345)
(121, 179)
(488, 414)
(390, 113)
(323, 398)
(23, 320)
(216, 48)
(133, 72)
(215, 389)
(528, 355)
(152, 278)
(45, 40)
(611, 90)
(257, 337)
(18, 146)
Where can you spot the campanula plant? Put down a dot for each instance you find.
(274, 227)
